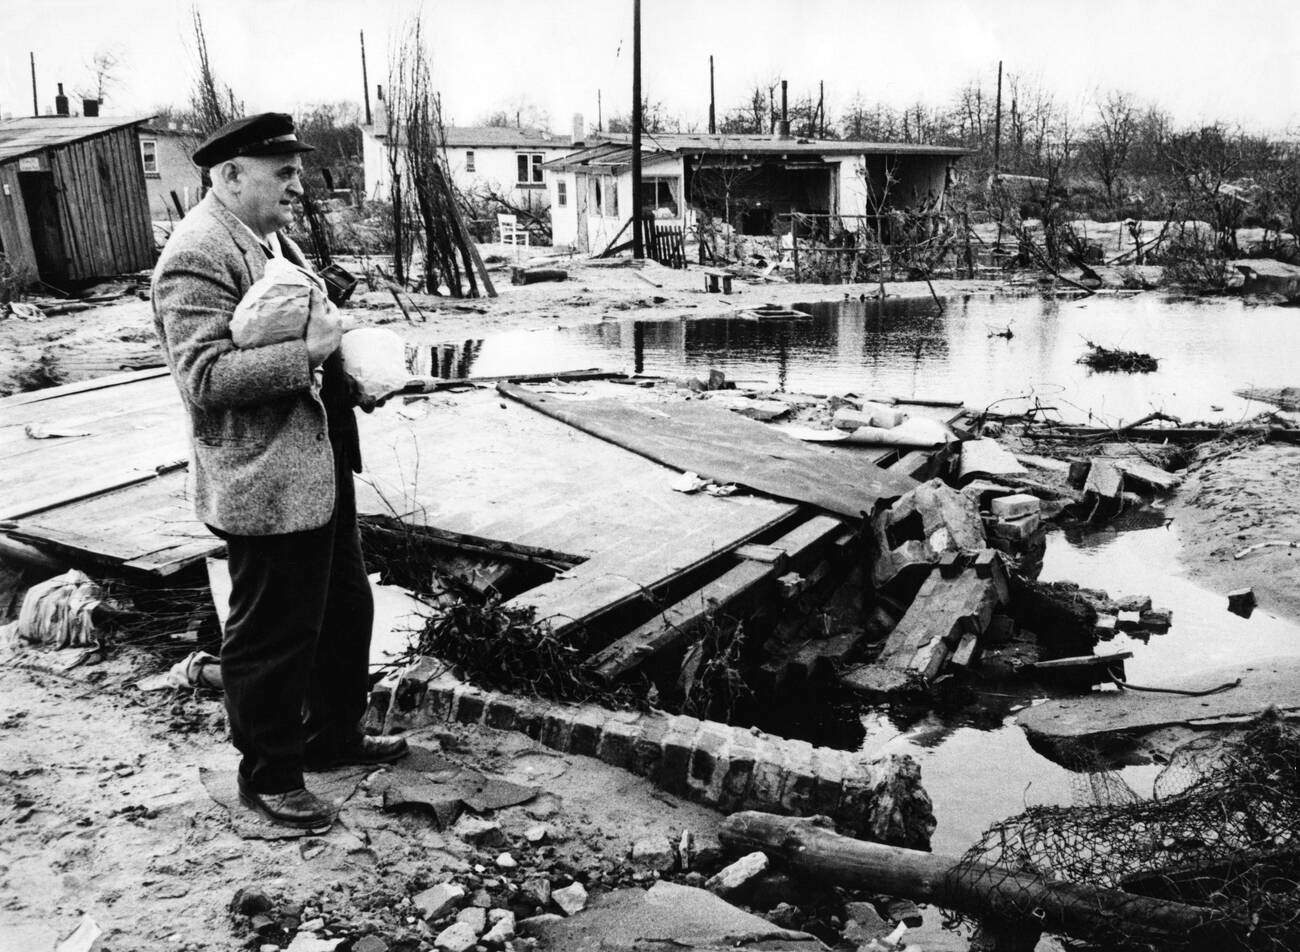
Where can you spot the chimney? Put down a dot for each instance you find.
(579, 130)
(379, 90)
(783, 127)
(61, 103)
(90, 108)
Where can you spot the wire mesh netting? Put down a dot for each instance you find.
(1211, 860)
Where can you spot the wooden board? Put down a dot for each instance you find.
(728, 448)
(1265, 683)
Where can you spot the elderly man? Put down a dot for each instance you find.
(274, 446)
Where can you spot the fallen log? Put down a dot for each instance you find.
(973, 888)
(525, 276)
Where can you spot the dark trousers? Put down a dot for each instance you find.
(295, 657)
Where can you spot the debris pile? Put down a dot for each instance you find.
(1112, 359)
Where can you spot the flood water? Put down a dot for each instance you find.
(1206, 350)
(979, 768)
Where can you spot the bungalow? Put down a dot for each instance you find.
(749, 181)
(73, 205)
(505, 160)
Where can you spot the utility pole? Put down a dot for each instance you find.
(821, 109)
(36, 109)
(600, 127)
(713, 116)
(638, 249)
(997, 127)
(365, 79)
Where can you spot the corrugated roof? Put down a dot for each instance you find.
(659, 144)
(20, 137)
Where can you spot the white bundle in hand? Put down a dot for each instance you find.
(278, 306)
(375, 359)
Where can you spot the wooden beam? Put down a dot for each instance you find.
(677, 623)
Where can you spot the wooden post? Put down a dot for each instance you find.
(713, 124)
(36, 109)
(794, 242)
(974, 888)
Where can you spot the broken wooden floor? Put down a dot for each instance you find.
(470, 465)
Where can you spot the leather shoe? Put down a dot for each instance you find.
(299, 808)
(365, 751)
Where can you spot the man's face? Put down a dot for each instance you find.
(268, 185)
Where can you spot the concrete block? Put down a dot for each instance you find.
(500, 712)
(584, 737)
(1242, 601)
(471, 703)
(707, 757)
(617, 740)
(1016, 530)
(1014, 507)
(1156, 620)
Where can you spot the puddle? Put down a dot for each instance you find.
(1206, 350)
(976, 764)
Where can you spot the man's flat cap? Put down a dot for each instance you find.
(267, 133)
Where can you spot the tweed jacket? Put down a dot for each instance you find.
(262, 457)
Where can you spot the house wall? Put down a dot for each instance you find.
(15, 231)
(176, 172)
(602, 229)
(564, 218)
(494, 166)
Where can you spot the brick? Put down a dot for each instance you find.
(585, 736)
(647, 749)
(470, 704)
(617, 740)
(556, 727)
(707, 756)
(797, 787)
(530, 716)
(740, 770)
(768, 781)
(500, 712)
(1015, 507)
(674, 767)
(828, 779)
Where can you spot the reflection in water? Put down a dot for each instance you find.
(448, 361)
(905, 348)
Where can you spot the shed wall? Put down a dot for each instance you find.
(15, 231)
(103, 205)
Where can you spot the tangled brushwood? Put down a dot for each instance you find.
(505, 648)
(1222, 832)
(1126, 361)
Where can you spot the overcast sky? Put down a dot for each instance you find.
(1201, 60)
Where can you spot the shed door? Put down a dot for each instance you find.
(41, 200)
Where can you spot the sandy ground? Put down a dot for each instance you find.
(102, 813)
(1235, 501)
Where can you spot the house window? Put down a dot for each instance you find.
(529, 168)
(149, 153)
(469, 160)
(561, 194)
(659, 198)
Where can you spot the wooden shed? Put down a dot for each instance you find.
(73, 203)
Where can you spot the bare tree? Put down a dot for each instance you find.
(105, 74)
(212, 102)
(1205, 162)
(1110, 140)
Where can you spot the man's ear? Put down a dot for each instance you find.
(229, 174)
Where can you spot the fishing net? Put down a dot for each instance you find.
(1221, 833)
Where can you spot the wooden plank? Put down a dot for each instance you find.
(82, 386)
(643, 567)
(728, 448)
(798, 547)
(679, 622)
(15, 229)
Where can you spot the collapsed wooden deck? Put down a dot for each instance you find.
(96, 474)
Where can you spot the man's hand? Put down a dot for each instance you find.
(324, 333)
(361, 399)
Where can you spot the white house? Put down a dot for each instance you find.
(504, 160)
(746, 180)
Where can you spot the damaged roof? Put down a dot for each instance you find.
(615, 150)
(19, 137)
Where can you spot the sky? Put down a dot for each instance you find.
(1199, 60)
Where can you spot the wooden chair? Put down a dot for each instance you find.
(509, 231)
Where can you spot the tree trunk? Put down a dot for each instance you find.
(974, 888)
